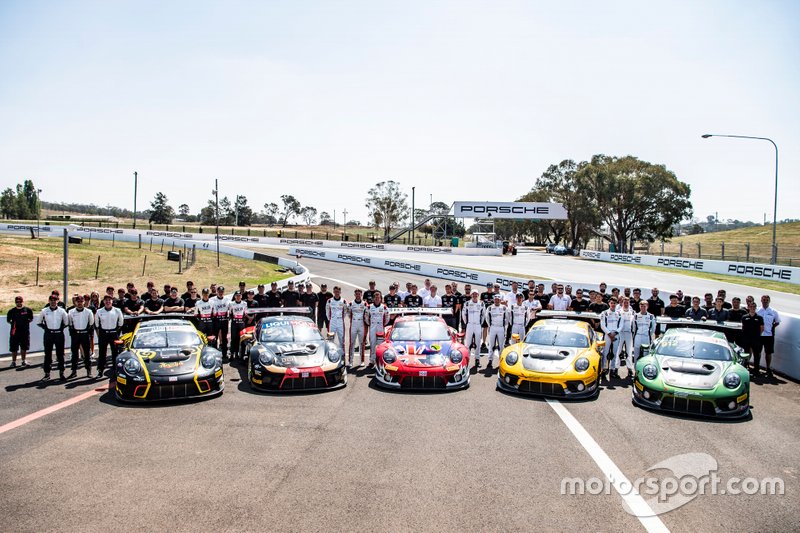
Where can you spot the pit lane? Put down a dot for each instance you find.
(361, 458)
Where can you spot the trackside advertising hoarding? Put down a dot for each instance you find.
(515, 210)
(746, 270)
(157, 235)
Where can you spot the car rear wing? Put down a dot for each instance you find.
(130, 321)
(263, 311)
(703, 324)
(420, 311)
(576, 315)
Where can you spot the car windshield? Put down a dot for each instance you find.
(694, 348)
(417, 330)
(568, 337)
(166, 337)
(289, 331)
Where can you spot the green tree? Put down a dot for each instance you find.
(387, 205)
(637, 200)
(244, 215)
(226, 215)
(183, 210)
(270, 213)
(325, 219)
(161, 212)
(7, 203)
(208, 215)
(309, 215)
(291, 207)
(559, 184)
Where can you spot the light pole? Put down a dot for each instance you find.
(344, 226)
(38, 210)
(413, 193)
(216, 213)
(135, 187)
(774, 258)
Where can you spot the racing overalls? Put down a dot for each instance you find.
(533, 306)
(357, 310)
(219, 312)
(238, 323)
(81, 324)
(610, 322)
(377, 317)
(108, 325)
(205, 314)
(497, 319)
(335, 310)
(472, 314)
(53, 322)
(519, 318)
(644, 327)
(625, 336)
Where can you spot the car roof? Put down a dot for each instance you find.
(162, 323)
(695, 332)
(561, 321)
(419, 318)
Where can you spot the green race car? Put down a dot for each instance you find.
(694, 369)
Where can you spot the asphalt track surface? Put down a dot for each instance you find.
(364, 459)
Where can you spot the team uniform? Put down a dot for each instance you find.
(237, 312)
(20, 319)
(204, 310)
(472, 314)
(413, 300)
(335, 311)
(81, 328)
(450, 301)
(533, 306)
(219, 313)
(53, 321)
(497, 319)
(644, 328)
(357, 311)
(625, 337)
(519, 318)
(610, 322)
(108, 324)
(377, 317)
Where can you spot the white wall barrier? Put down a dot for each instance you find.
(713, 266)
(157, 236)
(787, 341)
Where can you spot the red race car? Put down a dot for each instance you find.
(420, 351)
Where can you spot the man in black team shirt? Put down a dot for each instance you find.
(413, 299)
(392, 299)
(750, 341)
(322, 300)
(174, 304)
(167, 288)
(598, 305)
(154, 305)
(133, 306)
(290, 297)
(310, 300)
(579, 304)
(487, 299)
(450, 301)
(191, 301)
(261, 296)
(674, 309)
(20, 318)
(273, 296)
(736, 312)
(370, 293)
(186, 295)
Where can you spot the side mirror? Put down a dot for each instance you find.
(744, 356)
(119, 342)
(515, 337)
(460, 336)
(643, 349)
(211, 338)
(331, 336)
(601, 344)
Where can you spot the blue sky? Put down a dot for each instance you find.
(464, 100)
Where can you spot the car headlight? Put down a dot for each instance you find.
(208, 361)
(389, 356)
(512, 358)
(650, 371)
(334, 356)
(132, 366)
(582, 364)
(266, 358)
(732, 380)
(456, 356)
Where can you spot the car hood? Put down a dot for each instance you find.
(298, 354)
(169, 361)
(552, 359)
(691, 373)
(422, 353)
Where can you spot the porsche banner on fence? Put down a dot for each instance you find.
(713, 266)
(514, 210)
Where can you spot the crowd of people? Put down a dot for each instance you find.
(489, 320)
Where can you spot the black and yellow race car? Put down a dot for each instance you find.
(165, 357)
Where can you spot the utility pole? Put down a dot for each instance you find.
(216, 213)
(344, 225)
(413, 192)
(236, 210)
(334, 220)
(135, 190)
(66, 265)
(38, 209)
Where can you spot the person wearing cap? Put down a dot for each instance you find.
(204, 310)
(357, 311)
(119, 301)
(369, 293)
(487, 299)
(242, 288)
(473, 317)
(311, 300)
(497, 320)
(559, 301)
(188, 294)
(290, 296)
(377, 318)
(53, 319)
(108, 322)
(174, 304)
(220, 306)
(167, 288)
(518, 313)
(335, 311)
(322, 305)
(147, 292)
(237, 311)
(81, 328)
(19, 318)
(261, 296)
(133, 306)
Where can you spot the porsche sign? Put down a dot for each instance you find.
(519, 210)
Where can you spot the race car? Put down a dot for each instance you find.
(420, 351)
(694, 369)
(165, 357)
(559, 356)
(287, 352)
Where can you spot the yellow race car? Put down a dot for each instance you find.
(559, 357)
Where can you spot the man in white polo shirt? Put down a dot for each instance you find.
(771, 321)
(559, 301)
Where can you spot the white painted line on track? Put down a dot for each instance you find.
(52, 409)
(623, 486)
(337, 281)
